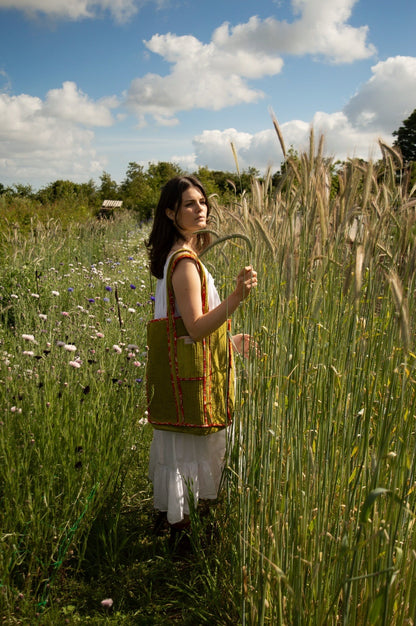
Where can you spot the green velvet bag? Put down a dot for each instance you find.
(189, 384)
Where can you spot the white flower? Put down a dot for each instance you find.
(55, 293)
(107, 603)
(28, 353)
(29, 338)
(75, 364)
(131, 310)
(42, 316)
(70, 347)
(13, 295)
(34, 295)
(117, 349)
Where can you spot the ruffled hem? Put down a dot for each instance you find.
(182, 463)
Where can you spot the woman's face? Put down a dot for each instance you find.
(192, 213)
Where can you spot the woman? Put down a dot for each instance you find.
(181, 460)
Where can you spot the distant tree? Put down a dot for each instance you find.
(22, 191)
(406, 138)
(207, 179)
(58, 190)
(136, 191)
(159, 173)
(69, 193)
(108, 189)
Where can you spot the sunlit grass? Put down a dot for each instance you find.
(316, 520)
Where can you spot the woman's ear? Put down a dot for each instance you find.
(170, 214)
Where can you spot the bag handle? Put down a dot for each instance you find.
(184, 253)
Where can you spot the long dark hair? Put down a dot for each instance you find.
(164, 232)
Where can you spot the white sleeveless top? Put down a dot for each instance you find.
(161, 298)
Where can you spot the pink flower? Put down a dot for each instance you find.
(107, 603)
(75, 364)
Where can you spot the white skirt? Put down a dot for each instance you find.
(182, 462)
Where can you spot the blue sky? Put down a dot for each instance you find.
(88, 86)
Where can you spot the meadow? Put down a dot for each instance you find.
(315, 521)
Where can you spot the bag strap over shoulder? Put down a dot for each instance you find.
(184, 253)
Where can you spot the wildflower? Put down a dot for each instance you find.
(130, 258)
(91, 300)
(29, 338)
(13, 295)
(28, 353)
(137, 363)
(75, 364)
(132, 286)
(55, 293)
(131, 310)
(42, 316)
(107, 603)
(106, 300)
(108, 288)
(65, 313)
(70, 289)
(100, 335)
(139, 380)
(69, 347)
(117, 349)
(34, 295)
(152, 298)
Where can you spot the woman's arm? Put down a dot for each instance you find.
(187, 288)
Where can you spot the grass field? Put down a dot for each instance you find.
(315, 523)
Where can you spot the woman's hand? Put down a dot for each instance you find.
(245, 345)
(246, 280)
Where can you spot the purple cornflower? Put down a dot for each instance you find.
(70, 289)
(108, 288)
(91, 300)
(132, 286)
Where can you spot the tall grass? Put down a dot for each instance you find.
(324, 454)
(317, 526)
(73, 307)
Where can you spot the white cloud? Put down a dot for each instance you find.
(387, 98)
(378, 108)
(203, 76)
(320, 30)
(213, 148)
(44, 140)
(71, 104)
(121, 10)
(216, 75)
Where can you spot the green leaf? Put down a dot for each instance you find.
(369, 501)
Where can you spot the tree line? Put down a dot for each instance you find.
(139, 190)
